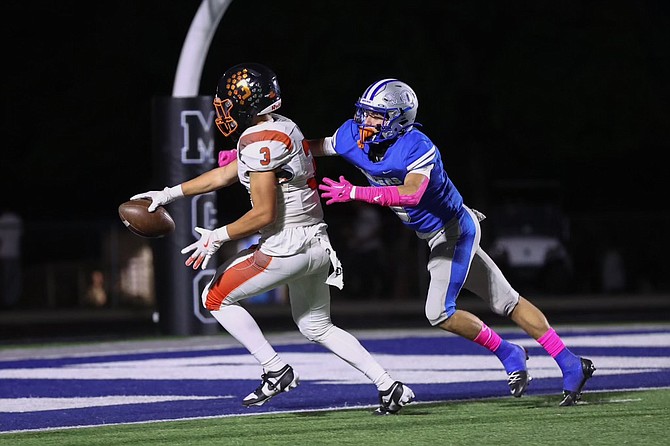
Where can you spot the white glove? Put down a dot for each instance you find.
(204, 249)
(160, 197)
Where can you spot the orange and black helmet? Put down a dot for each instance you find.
(245, 91)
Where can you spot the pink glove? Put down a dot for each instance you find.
(338, 192)
(226, 157)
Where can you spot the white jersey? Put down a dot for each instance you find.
(278, 145)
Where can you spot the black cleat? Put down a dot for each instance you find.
(518, 380)
(272, 383)
(393, 399)
(571, 398)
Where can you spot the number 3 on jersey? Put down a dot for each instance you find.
(265, 151)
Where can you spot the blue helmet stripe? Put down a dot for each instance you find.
(373, 89)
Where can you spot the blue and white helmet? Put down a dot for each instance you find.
(393, 99)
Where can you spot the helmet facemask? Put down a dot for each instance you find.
(393, 124)
(226, 124)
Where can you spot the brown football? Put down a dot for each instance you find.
(139, 220)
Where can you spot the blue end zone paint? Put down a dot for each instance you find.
(226, 394)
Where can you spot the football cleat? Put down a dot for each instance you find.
(393, 399)
(518, 380)
(272, 383)
(570, 398)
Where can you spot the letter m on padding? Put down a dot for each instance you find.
(198, 139)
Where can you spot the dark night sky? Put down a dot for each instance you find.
(573, 91)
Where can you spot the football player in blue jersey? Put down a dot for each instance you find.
(405, 172)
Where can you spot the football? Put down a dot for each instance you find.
(140, 221)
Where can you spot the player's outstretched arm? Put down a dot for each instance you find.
(409, 194)
(211, 180)
(321, 146)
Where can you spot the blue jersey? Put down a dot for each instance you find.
(414, 150)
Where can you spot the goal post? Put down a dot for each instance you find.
(183, 147)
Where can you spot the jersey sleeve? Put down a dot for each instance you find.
(421, 157)
(326, 149)
(266, 150)
(345, 137)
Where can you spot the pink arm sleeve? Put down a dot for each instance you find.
(389, 195)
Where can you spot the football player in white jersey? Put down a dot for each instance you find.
(405, 171)
(273, 162)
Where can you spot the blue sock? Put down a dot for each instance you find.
(571, 366)
(512, 356)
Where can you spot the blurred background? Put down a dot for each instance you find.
(553, 119)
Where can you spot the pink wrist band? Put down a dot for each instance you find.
(389, 195)
(384, 196)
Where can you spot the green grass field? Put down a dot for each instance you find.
(621, 418)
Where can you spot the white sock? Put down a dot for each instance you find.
(273, 365)
(347, 347)
(384, 382)
(238, 322)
